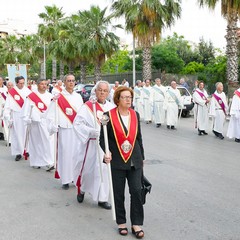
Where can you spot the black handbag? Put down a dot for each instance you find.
(146, 188)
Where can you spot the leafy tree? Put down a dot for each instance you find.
(193, 68)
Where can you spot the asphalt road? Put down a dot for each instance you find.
(195, 195)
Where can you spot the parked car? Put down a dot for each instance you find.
(187, 101)
(84, 90)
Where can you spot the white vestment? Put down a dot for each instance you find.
(217, 113)
(234, 124)
(201, 117)
(137, 101)
(3, 124)
(147, 103)
(158, 96)
(12, 111)
(41, 144)
(67, 139)
(89, 153)
(172, 103)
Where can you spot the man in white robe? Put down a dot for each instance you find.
(112, 91)
(61, 115)
(147, 103)
(3, 96)
(218, 110)
(137, 99)
(201, 118)
(172, 103)
(234, 124)
(88, 173)
(158, 95)
(41, 144)
(12, 114)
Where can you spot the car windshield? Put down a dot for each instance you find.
(88, 88)
(184, 92)
(78, 87)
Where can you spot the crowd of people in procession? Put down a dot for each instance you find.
(51, 127)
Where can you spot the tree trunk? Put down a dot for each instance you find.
(61, 68)
(231, 49)
(70, 67)
(83, 72)
(97, 71)
(54, 68)
(147, 64)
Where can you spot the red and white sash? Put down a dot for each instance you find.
(66, 108)
(125, 142)
(98, 108)
(237, 93)
(4, 96)
(17, 97)
(41, 106)
(201, 95)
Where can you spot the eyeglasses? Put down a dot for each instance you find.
(102, 90)
(70, 80)
(126, 97)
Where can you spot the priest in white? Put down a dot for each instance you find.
(158, 95)
(41, 144)
(201, 118)
(3, 96)
(147, 103)
(172, 103)
(91, 174)
(61, 115)
(218, 110)
(234, 124)
(137, 99)
(13, 115)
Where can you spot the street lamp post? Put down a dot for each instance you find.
(134, 67)
(44, 60)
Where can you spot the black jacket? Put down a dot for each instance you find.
(117, 162)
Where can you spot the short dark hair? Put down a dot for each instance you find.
(118, 92)
(17, 79)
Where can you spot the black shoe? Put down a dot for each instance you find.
(220, 136)
(199, 132)
(80, 197)
(65, 186)
(105, 205)
(203, 131)
(18, 157)
(237, 140)
(168, 127)
(173, 128)
(138, 234)
(215, 133)
(50, 169)
(36, 167)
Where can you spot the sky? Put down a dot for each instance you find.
(194, 23)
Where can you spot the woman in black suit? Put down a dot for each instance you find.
(127, 155)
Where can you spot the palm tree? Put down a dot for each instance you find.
(48, 30)
(98, 42)
(146, 19)
(231, 12)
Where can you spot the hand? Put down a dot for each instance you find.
(56, 97)
(108, 158)
(94, 133)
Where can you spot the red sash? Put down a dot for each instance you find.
(237, 93)
(4, 96)
(17, 97)
(98, 107)
(220, 102)
(38, 102)
(66, 108)
(201, 95)
(125, 142)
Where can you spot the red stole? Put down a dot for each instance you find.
(201, 95)
(38, 102)
(220, 102)
(98, 108)
(4, 96)
(17, 97)
(237, 93)
(66, 108)
(125, 142)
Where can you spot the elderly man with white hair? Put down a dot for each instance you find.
(137, 98)
(90, 172)
(218, 110)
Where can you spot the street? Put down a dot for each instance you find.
(195, 193)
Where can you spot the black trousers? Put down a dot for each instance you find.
(133, 178)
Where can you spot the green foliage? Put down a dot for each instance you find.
(164, 57)
(193, 68)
